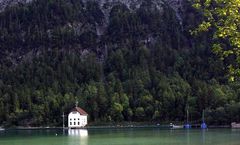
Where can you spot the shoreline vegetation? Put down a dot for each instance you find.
(138, 65)
(115, 125)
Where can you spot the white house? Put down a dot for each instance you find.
(77, 118)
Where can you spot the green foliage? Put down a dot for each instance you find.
(222, 17)
(140, 113)
(145, 67)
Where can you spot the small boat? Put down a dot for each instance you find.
(203, 124)
(172, 126)
(2, 129)
(187, 125)
(235, 125)
(177, 126)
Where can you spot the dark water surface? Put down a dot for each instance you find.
(148, 136)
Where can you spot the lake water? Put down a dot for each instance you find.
(137, 136)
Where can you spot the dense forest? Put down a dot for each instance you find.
(132, 65)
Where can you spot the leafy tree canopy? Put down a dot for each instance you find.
(222, 18)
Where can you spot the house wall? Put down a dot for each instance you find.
(76, 120)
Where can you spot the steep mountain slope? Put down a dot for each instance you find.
(87, 16)
(129, 3)
(9, 3)
(122, 60)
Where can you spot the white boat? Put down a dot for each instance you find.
(172, 126)
(235, 125)
(177, 126)
(2, 129)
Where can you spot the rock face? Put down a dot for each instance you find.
(177, 6)
(131, 4)
(107, 5)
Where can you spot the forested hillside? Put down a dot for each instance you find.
(120, 62)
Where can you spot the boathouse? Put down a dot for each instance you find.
(77, 118)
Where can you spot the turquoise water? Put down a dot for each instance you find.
(141, 136)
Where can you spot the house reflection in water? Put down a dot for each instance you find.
(78, 136)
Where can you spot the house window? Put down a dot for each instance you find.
(78, 118)
(74, 118)
(78, 123)
(74, 123)
(70, 123)
(70, 118)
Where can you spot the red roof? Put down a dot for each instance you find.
(80, 110)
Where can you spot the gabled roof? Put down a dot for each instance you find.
(79, 110)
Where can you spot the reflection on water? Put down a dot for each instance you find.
(78, 136)
(136, 136)
(203, 134)
(188, 137)
(83, 133)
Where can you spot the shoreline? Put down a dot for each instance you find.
(164, 126)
